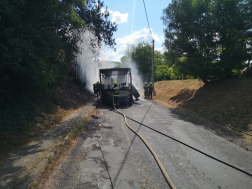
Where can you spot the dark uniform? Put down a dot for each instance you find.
(146, 87)
(95, 89)
(115, 91)
(98, 88)
(150, 91)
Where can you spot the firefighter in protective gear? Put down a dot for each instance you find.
(98, 88)
(95, 89)
(150, 91)
(146, 86)
(115, 91)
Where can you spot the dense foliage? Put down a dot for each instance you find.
(141, 55)
(98, 23)
(39, 39)
(209, 39)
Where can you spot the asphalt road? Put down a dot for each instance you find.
(187, 168)
(129, 164)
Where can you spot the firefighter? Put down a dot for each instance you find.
(146, 86)
(150, 91)
(115, 91)
(95, 89)
(98, 88)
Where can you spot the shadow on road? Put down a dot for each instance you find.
(199, 121)
(127, 153)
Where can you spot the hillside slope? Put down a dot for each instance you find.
(28, 115)
(228, 101)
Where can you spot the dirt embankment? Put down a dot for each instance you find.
(228, 101)
(32, 114)
(72, 95)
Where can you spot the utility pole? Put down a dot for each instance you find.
(152, 74)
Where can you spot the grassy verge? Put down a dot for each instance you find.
(23, 118)
(27, 115)
(228, 101)
(60, 150)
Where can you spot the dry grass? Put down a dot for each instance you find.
(177, 91)
(13, 142)
(59, 152)
(228, 101)
(50, 122)
(26, 117)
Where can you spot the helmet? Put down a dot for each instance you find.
(97, 81)
(150, 83)
(145, 83)
(115, 83)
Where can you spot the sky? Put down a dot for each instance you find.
(132, 25)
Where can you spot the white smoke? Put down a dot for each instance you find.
(137, 80)
(87, 64)
(106, 64)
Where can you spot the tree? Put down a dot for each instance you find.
(127, 58)
(162, 72)
(129, 50)
(142, 55)
(98, 23)
(158, 58)
(231, 27)
(36, 39)
(210, 34)
(165, 64)
(39, 39)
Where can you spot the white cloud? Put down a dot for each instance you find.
(110, 11)
(119, 18)
(109, 54)
(137, 37)
(161, 49)
(103, 11)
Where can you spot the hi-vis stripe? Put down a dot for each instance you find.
(116, 88)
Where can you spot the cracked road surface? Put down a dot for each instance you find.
(129, 164)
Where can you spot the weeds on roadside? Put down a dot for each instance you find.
(59, 151)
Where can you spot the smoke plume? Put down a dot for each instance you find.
(88, 65)
(87, 70)
(136, 77)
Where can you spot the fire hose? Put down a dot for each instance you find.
(151, 150)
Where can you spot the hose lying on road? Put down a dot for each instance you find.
(151, 150)
(223, 162)
(205, 117)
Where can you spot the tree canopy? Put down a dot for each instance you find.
(39, 39)
(141, 55)
(98, 23)
(211, 36)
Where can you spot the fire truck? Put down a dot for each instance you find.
(123, 78)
